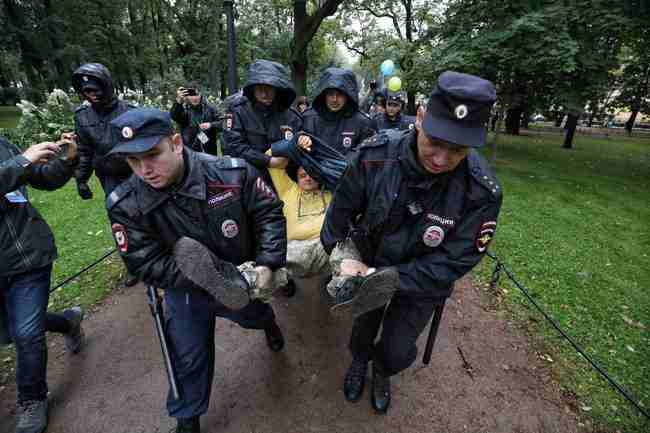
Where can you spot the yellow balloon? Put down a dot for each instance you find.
(395, 84)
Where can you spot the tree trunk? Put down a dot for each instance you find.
(571, 123)
(299, 59)
(304, 28)
(300, 74)
(513, 121)
(496, 128)
(630, 121)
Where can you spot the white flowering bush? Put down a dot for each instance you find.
(42, 123)
(47, 121)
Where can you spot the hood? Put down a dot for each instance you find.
(340, 79)
(98, 71)
(273, 74)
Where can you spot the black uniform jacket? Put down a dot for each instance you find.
(343, 130)
(401, 122)
(26, 241)
(250, 128)
(189, 117)
(432, 228)
(222, 203)
(96, 138)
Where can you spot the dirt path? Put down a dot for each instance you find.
(117, 385)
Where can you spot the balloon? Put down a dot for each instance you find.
(395, 84)
(387, 67)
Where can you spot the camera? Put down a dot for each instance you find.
(62, 153)
(191, 92)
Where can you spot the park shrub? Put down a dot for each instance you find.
(46, 121)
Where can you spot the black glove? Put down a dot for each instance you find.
(84, 191)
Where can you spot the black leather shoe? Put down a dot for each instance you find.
(188, 425)
(274, 337)
(380, 397)
(355, 378)
(290, 289)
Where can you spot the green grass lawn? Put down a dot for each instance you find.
(9, 116)
(575, 229)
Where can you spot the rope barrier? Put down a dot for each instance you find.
(500, 266)
(85, 269)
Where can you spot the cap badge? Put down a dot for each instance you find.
(127, 132)
(84, 78)
(461, 111)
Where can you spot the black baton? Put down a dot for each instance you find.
(155, 305)
(433, 332)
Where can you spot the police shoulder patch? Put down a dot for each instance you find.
(364, 114)
(482, 173)
(118, 194)
(81, 107)
(485, 235)
(230, 163)
(296, 112)
(377, 140)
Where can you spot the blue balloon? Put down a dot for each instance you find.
(387, 67)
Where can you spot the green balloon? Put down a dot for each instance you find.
(395, 84)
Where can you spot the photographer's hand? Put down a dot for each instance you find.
(181, 93)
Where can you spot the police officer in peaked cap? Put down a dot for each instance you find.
(393, 118)
(183, 223)
(432, 211)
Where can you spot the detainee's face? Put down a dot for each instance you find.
(393, 109)
(93, 95)
(305, 182)
(335, 99)
(264, 94)
(162, 165)
(437, 156)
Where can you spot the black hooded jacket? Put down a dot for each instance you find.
(189, 117)
(92, 125)
(345, 129)
(250, 128)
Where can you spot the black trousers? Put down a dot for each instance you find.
(403, 322)
(190, 325)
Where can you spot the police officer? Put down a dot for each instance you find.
(27, 251)
(393, 117)
(200, 122)
(263, 117)
(176, 198)
(432, 213)
(334, 116)
(94, 84)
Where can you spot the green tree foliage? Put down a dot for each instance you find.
(152, 43)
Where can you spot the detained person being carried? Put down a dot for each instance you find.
(310, 173)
